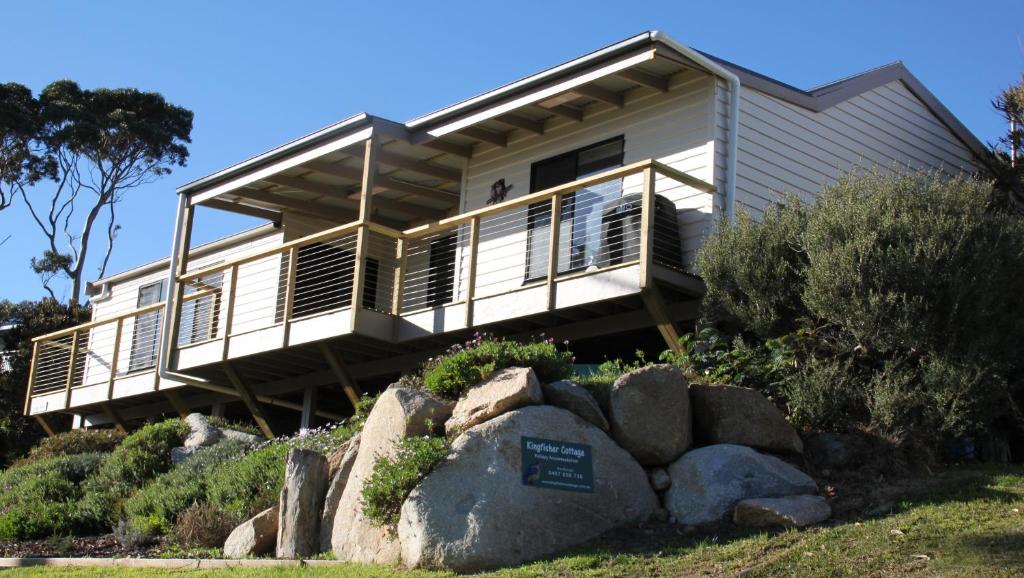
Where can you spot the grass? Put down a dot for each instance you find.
(969, 522)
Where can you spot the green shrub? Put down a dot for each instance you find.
(246, 486)
(906, 288)
(917, 262)
(142, 456)
(156, 506)
(76, 441)
(36, 498)
(451, 374)
(754, 271)
(393, 478)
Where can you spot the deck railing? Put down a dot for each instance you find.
(535, 240)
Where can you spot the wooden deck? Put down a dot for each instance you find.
(363, 300)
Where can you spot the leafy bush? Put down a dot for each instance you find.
(35, 498)
(202, 526)
(753, 271)
(243, 487)
(142, 456)
(76, 441)
(155, 507)
(394, 478)
(452, 373)
(892, 303)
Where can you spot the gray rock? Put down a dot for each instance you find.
(179, 455)
(659, 478)
(649, 411)
(339, 472)
(399, 412)
(726, 414)
(301, 503)
(241, 436)
(504, 391)
(202, 433)
(253, 537)
(708, 482)
(473, 512)
(789, 512)
(567, 395)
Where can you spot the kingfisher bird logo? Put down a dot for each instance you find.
(532, 474)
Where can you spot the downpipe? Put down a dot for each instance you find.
(734, 116)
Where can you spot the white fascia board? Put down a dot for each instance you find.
(533, 78)
(283, 165)
(543, 94)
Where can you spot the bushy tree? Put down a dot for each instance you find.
(909, 285)
(24, 321)
(72, 154)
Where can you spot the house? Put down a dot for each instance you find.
(569, 202)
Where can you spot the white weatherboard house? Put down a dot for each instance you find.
(569, 202)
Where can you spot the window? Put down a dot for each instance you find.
(441, 280)
(580, 220)
(146, 331)
(198, 320)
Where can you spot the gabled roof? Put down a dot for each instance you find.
(418, 130)
(828, 95)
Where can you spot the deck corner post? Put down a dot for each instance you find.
(647, 227)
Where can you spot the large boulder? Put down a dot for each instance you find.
(726, 414)
(301, 503)
(201, 432)
(567, 395)
(241, 436)
(399, 413)
(789, 512)
(479, 509)
(253, 537)
(708, 482)
(649, 411)
(504, 391)
(339, 472)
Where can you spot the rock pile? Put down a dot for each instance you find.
(536, 468)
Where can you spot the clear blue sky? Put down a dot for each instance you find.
(258, 73)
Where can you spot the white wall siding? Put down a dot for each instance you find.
(124, 297)
(673, 127)
(786, 149)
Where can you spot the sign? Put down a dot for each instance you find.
(557, 465)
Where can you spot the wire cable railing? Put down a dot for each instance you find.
(612, 219)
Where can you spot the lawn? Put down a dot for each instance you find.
(966, 522)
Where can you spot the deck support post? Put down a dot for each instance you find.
(31, 378)
(309, 400)
(363, 233)
(249, 399)
(114, 417)
(217, 409)
(659, 311)
(556, 225)
(46, 425)
(176, 402)
(473, 245)
(348, 385)
(647, 229)
(179, 269)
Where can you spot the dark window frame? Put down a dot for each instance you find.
(538, 214)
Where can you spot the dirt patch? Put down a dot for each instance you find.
(105, 546)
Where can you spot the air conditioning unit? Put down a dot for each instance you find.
(620, 232)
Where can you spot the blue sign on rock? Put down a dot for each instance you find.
(557, 465)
